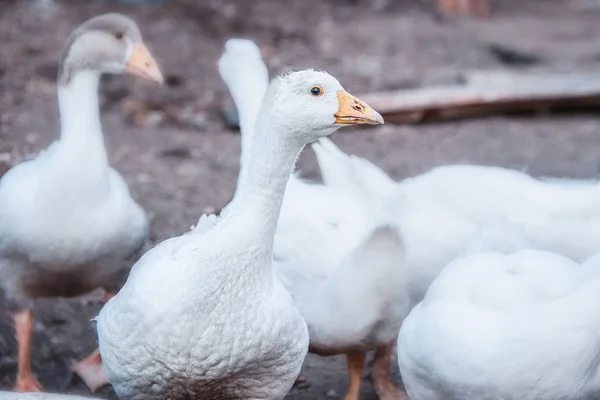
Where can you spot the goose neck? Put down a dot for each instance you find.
(79, 109)
(81, 141)
(272, 157)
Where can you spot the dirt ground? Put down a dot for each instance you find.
(180, 157)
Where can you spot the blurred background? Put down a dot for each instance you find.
(178, 145)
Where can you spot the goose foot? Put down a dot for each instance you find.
(26, 382)
(384, 388)
(393, 393)
(92, 372)
(300, 379)
(356, 364)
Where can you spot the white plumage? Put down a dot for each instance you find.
(337, 250)
(67, 221)
(505, 326)
(203, 315)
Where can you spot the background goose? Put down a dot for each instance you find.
(521, 325)
(441, 211)
(454, 344)
(202, 315)
(555, 214)
(335, 250)
(67, 221)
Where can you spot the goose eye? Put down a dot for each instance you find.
(119, 35)
(316, 91)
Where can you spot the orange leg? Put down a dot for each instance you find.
(26, 382)
(356, 364)
(92, 372)
(385, 389)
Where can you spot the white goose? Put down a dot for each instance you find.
(487, 328)
(440, 222)
(202, 315)
(556, 215)
(67, 221)
(441, 211)
(334, 250)
(517, 326)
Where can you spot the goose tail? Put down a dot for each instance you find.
(359, 177)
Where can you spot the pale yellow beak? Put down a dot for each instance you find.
(353, 111)
(142, 64)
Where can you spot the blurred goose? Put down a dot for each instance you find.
(202, 315)
(352, 306)
(489, 308)
(462, 330)
(518, 325)
(337, 252)
(561, 216)
(68, 224)
(441, 211)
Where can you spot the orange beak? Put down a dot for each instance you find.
(353, 111)
(142, 64)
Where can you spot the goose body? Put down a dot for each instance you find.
(357, 306)
(203, 315)
(68, 224)
(441, 211)
(477, 194)
(324, 222)
(513, 325)
(444, 208)
(350, 288)
(522, 325)
(195, 320)
(336, 250)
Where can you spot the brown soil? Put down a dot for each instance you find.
(181, 159)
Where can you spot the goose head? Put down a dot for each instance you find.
(109, 43)
(316, 102)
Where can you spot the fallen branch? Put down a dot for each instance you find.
(486, 93)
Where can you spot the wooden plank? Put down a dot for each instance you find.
(486, 93)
